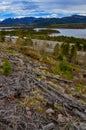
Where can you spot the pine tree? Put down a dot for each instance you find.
(73, 53)
(56, 49)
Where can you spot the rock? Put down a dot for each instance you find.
(17, 93)
(11, 98)
(29, 113)
(50, 126)
(50, 111)
(1, 85)
(62, 119)
(27, 109)
(82, 126)
(85, 111)
(1, 64)
(21, 63)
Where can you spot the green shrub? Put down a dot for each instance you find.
(30, 53)
(6, 68)
(27, 42)
(60, 57)
(64, 69)
(64, 66)
(56, 70)
(47, 61)
(67, 74)
(80, 88)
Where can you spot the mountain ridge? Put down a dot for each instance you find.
(44, 22)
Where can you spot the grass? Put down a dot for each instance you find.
(67, 74)
(30, 52)
(81, 88)
(56, 70)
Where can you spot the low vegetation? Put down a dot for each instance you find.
(6, 67)
(41, 83)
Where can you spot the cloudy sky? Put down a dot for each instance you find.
(41, 8)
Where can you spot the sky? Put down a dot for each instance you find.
(41, 8)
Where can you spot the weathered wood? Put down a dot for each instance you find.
(80, 96)
(68, 102)
(80, 114)
(49, 126)
(16, 84)
(56, 78)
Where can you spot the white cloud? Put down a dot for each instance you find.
(83, 14)
(49, 8)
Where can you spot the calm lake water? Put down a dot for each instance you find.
(78, 33)
(7, 28)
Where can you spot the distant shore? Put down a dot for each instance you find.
(68, 26)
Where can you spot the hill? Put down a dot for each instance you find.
(44, 22)
(40, 89)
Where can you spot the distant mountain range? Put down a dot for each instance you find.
(44, 22)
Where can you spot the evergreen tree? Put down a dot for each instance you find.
(73, 53)
(65, 49)
(56, 49)
(2, 36)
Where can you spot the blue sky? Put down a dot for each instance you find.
(41, 8)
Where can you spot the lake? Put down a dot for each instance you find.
(8, 28)
(78, 33)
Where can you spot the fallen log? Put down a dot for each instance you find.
(68, 102)
(49, 126)
(56, 78)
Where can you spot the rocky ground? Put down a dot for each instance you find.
(33, 98)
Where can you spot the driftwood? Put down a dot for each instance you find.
(14, 85)
(12, 116)
(69, 103)
(49, 126)
(56, 78)
(80, 96)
